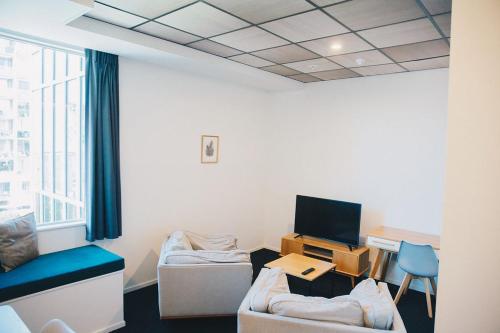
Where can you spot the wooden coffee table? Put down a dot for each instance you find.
(294, 264)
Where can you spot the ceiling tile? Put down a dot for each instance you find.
(335, 74)
(306, 78)
(114, 16)
(437, 6)
(323, 3)
(305, 26)
(251, 60)
(315, 65)
(444, 23)
(426, 64)
(202, 20)
(214, 48)
(250, 39)
(171, 34)
(286, 54)
(340, 44)
(150, 8)
(364, 14)
(358, 59)
(258, 11)
(422, 50)
(379, 69)
(401, 33)
(281, 70)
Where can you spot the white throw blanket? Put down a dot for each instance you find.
(377, 308)
(206, 257)
(341, 309)
(216, 242)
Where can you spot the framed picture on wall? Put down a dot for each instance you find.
(209, 149)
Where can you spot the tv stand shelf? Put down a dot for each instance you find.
(351, 263)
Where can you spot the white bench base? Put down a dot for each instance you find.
(89, 306)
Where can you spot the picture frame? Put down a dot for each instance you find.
(209, 149)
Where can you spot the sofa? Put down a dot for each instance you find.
(201, 289)
(261, 322)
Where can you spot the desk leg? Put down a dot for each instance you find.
(387, 260)
(380, 253)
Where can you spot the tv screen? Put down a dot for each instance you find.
(330, 219)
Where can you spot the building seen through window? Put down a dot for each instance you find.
(41, 131)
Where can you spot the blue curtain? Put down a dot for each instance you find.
(102, 150)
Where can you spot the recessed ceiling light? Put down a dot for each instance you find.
(360, 61)
(336, 46)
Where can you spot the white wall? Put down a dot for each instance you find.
(164, 186)
(378, 141)
(469, 295)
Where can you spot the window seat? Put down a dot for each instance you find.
(56, 269)
(81, 286)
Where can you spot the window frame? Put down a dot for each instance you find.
(65, 79)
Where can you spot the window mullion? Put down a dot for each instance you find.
(42, 146)
(53, 87)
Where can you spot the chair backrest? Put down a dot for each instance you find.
(418, 260)
(415, 250)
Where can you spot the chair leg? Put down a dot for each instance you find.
(428, 297)
(404, 284)
(406, 289)
(434, 287)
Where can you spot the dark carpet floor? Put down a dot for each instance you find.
(141, 306)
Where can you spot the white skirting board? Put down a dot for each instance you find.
(90, 306)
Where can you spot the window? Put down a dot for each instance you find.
(23, 109)
(4, 188)
(5, 83)
(41, 132)
(5, 62)
(24, 85)
(6, 165)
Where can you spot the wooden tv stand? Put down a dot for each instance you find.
(351, 263)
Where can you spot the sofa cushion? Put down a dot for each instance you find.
(56, 269)
(18, 241)
(342, 309)
(219, 242)
(377, 307)
(177, 241)
(206, 257)
(272, 283)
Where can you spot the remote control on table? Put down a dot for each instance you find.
(307, 271)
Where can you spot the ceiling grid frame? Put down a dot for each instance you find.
(306, 75)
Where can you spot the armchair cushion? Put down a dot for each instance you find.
(341, 309)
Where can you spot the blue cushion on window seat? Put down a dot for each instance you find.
(56, 269)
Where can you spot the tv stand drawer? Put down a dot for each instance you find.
(382, 243)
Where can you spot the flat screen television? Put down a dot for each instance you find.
(329, 219)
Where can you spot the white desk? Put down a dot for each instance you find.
(387, 241)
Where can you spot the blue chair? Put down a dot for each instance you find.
(419, 262)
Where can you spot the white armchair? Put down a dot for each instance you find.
(193, 290)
